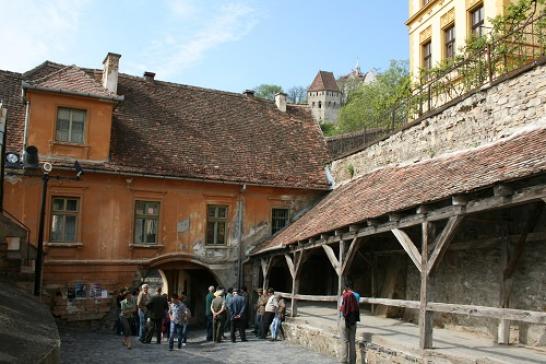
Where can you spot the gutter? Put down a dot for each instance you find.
(28, 86)
(191, 179)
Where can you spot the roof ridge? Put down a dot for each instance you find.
(41, 65)
(200, 88)
(45, 77)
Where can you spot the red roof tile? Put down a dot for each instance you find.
(71, 79)
(397, 188)
(324, 81)
(181, 131)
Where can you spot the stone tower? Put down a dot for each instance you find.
(324, 98)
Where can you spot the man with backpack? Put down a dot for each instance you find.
(350, 313)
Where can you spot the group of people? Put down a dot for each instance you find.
(270, 314)
(150, 314)
(146, 315)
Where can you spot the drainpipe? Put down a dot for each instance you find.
(3, 120)
(25, 130)
(240, 250)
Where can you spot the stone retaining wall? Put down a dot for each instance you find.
(484, 117)
(28, 331)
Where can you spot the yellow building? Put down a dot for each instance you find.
(439, 28)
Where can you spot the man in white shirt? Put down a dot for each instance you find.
(270, 310)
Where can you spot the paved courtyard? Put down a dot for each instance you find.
(84, 346)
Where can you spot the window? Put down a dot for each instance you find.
(427, 55)
(313, 104)
(64, 219)
(70, 125)
(216, 224)
(146, 222)
(449, 38)
(279, 219)
(425, 2)
(476, 21)
(319, 104)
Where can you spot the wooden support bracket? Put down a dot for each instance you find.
(442, 241)
(349, 256)
(332, 257)
(408, 246)
(502, 190)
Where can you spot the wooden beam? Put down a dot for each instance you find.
(425, 316)
(503, 190)
(393, 217)
(353, 228)
(332, 257)
(372, 222)
(511, 262)
(530, 225)
(442, 242)
(533, 317)
(421, 209)
(339, 271)
(459, 200)
(408, 246)
(290, 264)
(349, 257)
(266, 265)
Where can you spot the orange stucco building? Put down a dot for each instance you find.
(180, 182)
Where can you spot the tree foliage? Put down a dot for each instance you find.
(267, 91)
(297, 95)
(373, 105)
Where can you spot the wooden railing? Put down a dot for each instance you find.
(534, 317)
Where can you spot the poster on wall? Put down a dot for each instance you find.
(81, 290)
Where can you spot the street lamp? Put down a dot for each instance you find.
(32, 161)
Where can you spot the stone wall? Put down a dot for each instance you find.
(487, 116)
(340, 145)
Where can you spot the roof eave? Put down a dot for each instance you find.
(28, 86)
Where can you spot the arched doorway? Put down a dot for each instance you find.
(182, 275)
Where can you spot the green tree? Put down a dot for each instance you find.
(267, 91)
(297, 94)
(374, 105)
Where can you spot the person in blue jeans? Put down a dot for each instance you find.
(143, 299)
(179, 315)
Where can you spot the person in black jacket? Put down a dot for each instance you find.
(237, 313)
(157, 307)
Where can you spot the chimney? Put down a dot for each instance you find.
(110, 72)
(149, 76)
(280, 101)
(248, 93)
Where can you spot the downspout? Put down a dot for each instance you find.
(3, 127)
(240, 215)
(25, 131)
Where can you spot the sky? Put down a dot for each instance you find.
(229, 45)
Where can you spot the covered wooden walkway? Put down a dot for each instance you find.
(423, 207)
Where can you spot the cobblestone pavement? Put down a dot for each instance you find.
(85, 346)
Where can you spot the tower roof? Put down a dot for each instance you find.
(324, 81)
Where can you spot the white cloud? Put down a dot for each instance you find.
(34, 31)
(176, 50)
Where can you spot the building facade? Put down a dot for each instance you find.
(179, 181)
(439, 28)
(326, 95)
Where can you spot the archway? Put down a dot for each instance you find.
(190, 278)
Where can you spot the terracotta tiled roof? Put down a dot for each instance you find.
(11, 98)
(71, 79)
(181, 131)
(397, 188)
(324, 81)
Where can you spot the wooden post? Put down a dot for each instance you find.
(425, 317)
(294, 266)
(374, 265)
(510, 262)
(339, 271)
(266, 265)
